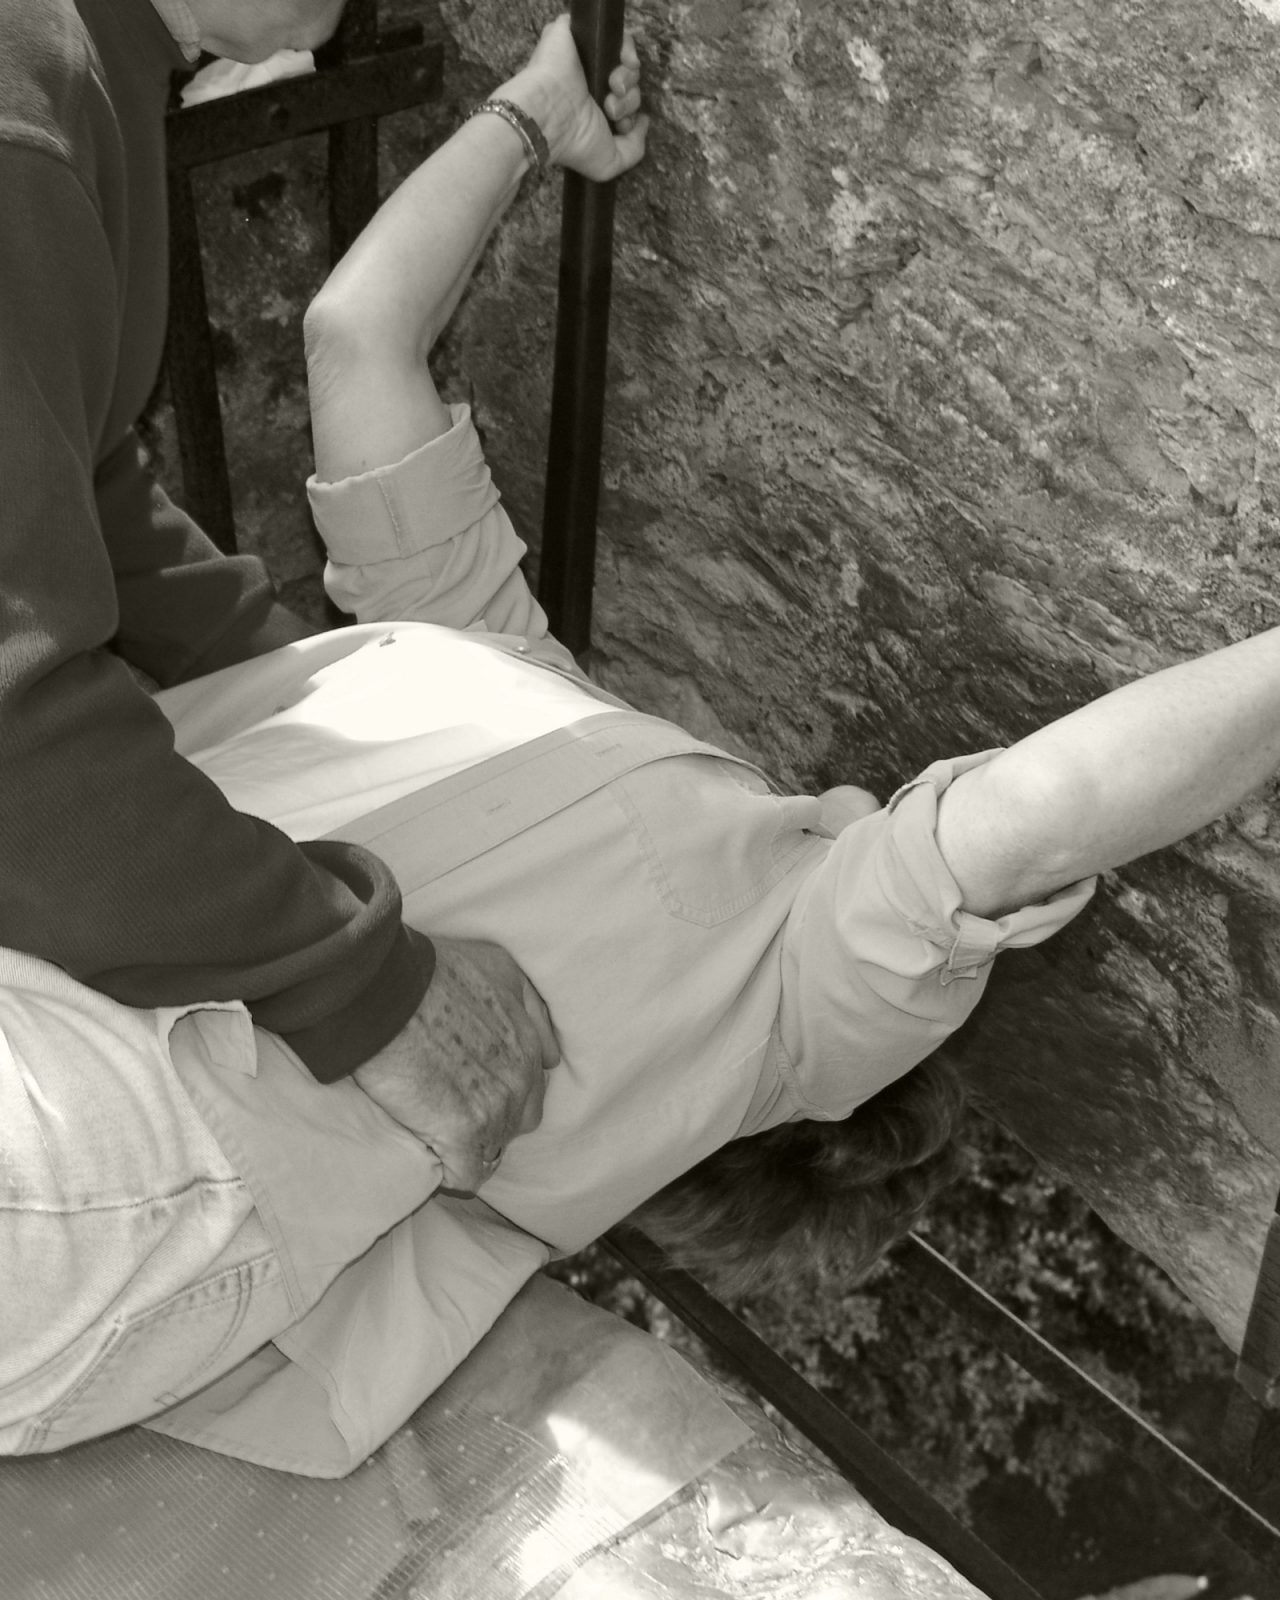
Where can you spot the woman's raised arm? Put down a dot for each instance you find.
(1134, 771)
(371, 326)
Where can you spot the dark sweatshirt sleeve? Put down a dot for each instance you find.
(184, 608)
(119, 860)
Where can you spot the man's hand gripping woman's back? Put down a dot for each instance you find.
(468, 1072)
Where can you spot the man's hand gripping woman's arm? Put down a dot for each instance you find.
(468, 1072)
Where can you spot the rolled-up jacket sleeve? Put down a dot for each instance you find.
(880, 962)
(426, 540)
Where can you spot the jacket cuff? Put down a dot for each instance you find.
(335, 1047)
(928, 897)
(435, 493)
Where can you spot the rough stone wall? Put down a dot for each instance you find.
(942, 399)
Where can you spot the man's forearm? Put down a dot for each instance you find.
(1134, 771)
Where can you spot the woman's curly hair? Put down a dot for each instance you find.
(807, 1199)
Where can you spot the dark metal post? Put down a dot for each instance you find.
(566, 572)
(1250, 1441)
(193, 375)
(353, 146)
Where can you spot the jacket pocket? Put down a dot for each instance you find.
(713, 837)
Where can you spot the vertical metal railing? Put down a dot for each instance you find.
(353, 144)
(567, 559)
(193, 372)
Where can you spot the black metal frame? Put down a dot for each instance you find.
(1250, 1522)
(362, 76)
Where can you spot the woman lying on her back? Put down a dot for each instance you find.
(745, 985)
(872, 973)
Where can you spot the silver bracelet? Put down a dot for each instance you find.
(531, 135)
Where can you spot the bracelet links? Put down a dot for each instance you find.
(531, 135)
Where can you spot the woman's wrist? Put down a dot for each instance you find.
(539, 99)
(537, 153)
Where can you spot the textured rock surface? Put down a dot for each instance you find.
(942, 398)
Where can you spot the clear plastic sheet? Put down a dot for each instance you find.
(564, 1427)
(772, 1521)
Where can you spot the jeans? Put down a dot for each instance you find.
(124, 1225)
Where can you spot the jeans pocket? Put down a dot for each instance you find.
(714, 839)
(162, 1355)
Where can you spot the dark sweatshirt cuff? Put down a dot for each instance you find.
(256, 632)
(334, 1048)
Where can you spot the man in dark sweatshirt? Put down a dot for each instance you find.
(119, 861)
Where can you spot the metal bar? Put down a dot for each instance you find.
(566, 564)
(1249, 1430)
(193, 376)
(1249, 1451)
(394, 80)
(889, 1488)
(1259, 1364)
(353, 143)
(1219, 1504)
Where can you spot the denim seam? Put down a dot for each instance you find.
(120, 1333)
(245, 1273)
(36, 1208)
